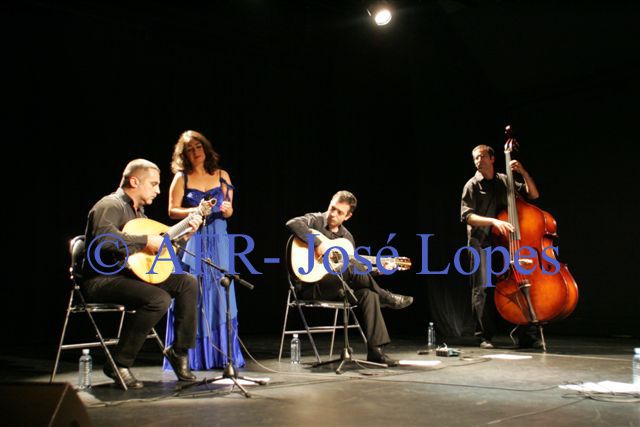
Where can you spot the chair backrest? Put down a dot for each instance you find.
(76, 250)
(287, 256)
(291, 277)
(295, 285)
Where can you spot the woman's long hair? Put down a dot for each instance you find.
(179, 160)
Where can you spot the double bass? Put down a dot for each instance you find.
(548, 291)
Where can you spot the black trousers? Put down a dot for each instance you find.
(483, 305)
(366, 291)
(150, 302)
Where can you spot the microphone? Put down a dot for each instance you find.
(209, 198)
(240, 280)
(212, 201)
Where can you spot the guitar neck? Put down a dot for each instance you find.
(180, 227)
(373, 259)
(401, 263)
(203, 209)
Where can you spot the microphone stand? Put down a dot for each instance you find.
(229, 370)
(346, 354)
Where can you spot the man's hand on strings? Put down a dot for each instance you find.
(504, 227)
(195, 222)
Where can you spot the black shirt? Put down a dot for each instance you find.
(484, 197)
(109, 215)
(300, 227)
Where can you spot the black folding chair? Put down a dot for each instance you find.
(294, 302)
(77, 304)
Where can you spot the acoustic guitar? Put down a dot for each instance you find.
(299, 258)
(140, 262)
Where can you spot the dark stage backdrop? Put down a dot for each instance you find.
(305, 98)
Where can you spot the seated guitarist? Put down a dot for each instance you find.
(371, 297)
(139, 186)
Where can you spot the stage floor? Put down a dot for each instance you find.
(471, 389)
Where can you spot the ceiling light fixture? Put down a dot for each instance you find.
(380, 11)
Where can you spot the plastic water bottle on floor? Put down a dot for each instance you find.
(636, 366)
(295, 350)
(431, 337)
(85, 368)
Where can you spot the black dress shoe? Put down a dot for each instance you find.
(126, 374)
(376, 354)
(180, 365)
(395, 301)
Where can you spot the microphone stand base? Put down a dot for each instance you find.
(228, 373)
(347, 357)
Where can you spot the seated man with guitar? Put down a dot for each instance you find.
(370, 296)
(109, 244)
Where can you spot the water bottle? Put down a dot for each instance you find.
(295, 350)
(636, 366)
(431, 337)
(85, 367)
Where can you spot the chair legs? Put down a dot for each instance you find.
(293, 301)
(284, 326)
(64, 331)
(309, 334)
(306, 327)
(103, 344)
(101, 340)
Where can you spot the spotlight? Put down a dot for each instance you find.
(381, 13)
